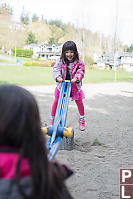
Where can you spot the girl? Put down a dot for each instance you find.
(25, 172)
(70, 67)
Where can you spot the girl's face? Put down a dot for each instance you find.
(69, 55)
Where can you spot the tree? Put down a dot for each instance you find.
(56, 34)
(5, 24)
(6, 9)
(43, 19)
(31, 38)
(24, 17)
(41, 30)
(35, 18)
(130, 49)
(52, 40)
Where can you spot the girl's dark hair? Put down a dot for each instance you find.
(69, 45)
(20, 127)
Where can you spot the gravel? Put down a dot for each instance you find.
(107, 143)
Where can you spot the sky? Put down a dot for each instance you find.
(104, 16)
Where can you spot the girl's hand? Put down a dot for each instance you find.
(59, 79)
(73, 80)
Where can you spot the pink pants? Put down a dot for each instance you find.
(79, 103)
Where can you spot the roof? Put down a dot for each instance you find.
(44, 44)
(125, 54)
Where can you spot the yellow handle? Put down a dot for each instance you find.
(45, 130)
(67, 131)
(67, 80)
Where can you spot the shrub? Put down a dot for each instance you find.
(31, 64)
(53, 63)
(39, 63)
(23, 53)
(92, 66)
(35, 64)
(47, 63)
(27, 64)
(88, 60)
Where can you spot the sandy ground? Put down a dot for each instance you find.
(109, 120)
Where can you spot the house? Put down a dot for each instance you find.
(105, 60)
(126, 60)
(45, 51)
(122, 59)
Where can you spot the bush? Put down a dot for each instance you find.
(40, 63)
(35, 64)
(45, 63)
(92, 66)
(88, 60)
(27, 64)
(23, 53)
(53, 63)
(31, 64)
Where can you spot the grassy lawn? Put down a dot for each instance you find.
(102, 76)
(20, 58)
(26, 75)
(29, 75)
(6, 61)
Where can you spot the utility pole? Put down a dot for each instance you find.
(83, 33)
(83, 36)
(15, 51)
(115, 40)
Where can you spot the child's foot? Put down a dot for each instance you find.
(82, 125)
(51, 121)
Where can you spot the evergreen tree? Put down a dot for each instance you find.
(35, 18)
(24, 17)
(31, 39)
(130, 49)
(52, 40)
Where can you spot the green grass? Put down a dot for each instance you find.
(26, 75)
(29, 75)
(6, 61)
(21, 58)
(103, 76)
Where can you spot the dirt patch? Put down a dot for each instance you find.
(109, 113)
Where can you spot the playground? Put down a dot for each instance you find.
(105, 146)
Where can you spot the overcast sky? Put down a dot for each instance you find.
(104, 16)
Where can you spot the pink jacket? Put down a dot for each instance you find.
(78, 71)
(8, 160)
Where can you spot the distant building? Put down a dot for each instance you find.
(105, 60)
(126, 60)
(45, 51)
(123, 60)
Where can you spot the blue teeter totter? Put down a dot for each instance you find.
(58, 132)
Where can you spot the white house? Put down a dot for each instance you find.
(45, 51)
(124, 60)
